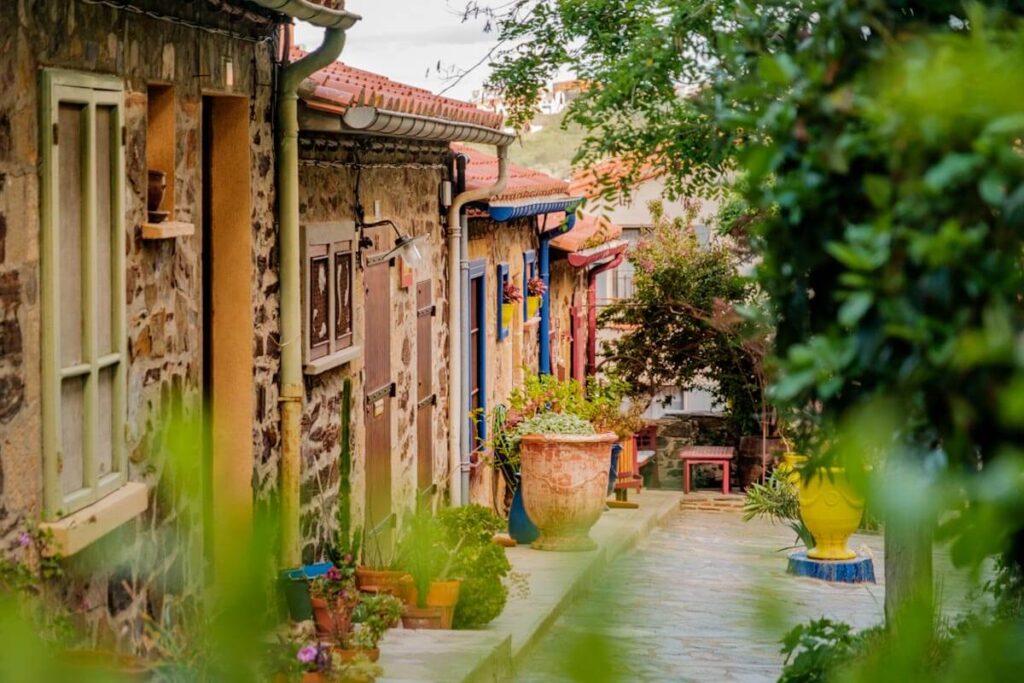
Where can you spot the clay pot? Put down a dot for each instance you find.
(832, 510)
(348, 655)
(329, 622)
(564, 484)
(442, 594)
(313, 677)
(379, 580)
(423, 617)
(155, 191)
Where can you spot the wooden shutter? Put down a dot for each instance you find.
(328, 257)
(425, 397)
(84, 339)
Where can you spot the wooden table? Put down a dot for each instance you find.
(707, 455)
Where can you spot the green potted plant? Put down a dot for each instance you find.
(334, 595)
(430, 592)
(375, 615)
(478, 562)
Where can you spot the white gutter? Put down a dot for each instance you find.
(318, 15)
(455, 262)
(382, 122)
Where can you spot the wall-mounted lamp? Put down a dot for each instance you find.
(405, 245)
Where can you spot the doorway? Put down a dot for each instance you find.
(378, 389)
(227, 327)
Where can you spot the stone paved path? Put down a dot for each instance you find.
(706, 598)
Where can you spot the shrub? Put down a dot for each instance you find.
(480, 563)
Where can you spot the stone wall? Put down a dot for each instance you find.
(677, 431)
(405, 179)
(164, 287)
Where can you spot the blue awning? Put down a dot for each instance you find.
(506, 211)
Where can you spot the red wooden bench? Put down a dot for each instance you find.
(707, 455)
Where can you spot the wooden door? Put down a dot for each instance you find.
(377, 387)
(425, 396)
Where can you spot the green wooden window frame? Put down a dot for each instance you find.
(88, 92)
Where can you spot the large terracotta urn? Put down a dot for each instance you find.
(832, 510)
(564, 483)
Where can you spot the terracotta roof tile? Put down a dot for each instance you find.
(338, 86)
(523, 183)
(590, 231)
(590, 182)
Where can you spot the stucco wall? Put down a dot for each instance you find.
(164, 302)
(405, 180)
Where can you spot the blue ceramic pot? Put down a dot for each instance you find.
(520, 528)
(613, 470)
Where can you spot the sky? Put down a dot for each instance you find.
(405, 39)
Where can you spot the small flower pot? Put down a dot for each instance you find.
(293, 585)
(508, 311)
(442, 594)
(330, 622)
(423, 617)
(379, 580)
(313, 677)
(348, 655)
(532, 306)
(155, 190)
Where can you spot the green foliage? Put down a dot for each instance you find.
(778, 500)
(555, 423)
(816, 650)
(682, 321)
(480, 563)
(375, 614)
(422, 552)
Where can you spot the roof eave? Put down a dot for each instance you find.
(602, 252)
(318, 15)
(532, 206)
(418, 127)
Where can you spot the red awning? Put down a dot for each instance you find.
(593, 239)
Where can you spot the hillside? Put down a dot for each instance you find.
(549, 150)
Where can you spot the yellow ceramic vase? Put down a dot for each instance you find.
(532, 306)
(832, 511)
(507, 311)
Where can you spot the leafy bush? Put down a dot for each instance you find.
(480, 563)
(555, 423)
(778, 500)
(816, 650)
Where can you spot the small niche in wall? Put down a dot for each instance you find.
(160, 163)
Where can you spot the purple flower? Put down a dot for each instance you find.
(333, 574)
(24, 539)
(308, 654)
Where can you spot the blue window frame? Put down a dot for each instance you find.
(503, 278)
(529, 272)
(477, 343)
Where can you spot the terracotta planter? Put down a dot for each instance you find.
(532, 306)
(329, 622)
(313, 677)
(379, 580)
(348, 655)
(423, 617)
(564, 484)
(832, 511)
(155, 190)
(442, 594)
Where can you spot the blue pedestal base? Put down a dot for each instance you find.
(861, 569)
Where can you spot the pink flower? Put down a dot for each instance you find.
(333, 574)
(24, 539)
(308, 654)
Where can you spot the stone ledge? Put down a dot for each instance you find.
(555, 580)
(78, 530)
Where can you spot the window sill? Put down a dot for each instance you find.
(167, 230)
(78, 530)
(315, 367)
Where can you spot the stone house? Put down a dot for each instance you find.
(118, 311)
(529, 230)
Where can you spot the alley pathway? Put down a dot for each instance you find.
(705, 598)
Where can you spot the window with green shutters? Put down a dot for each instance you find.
(82, 256)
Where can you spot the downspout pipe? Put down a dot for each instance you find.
(456, 401)
(291, 385)
(592, 308)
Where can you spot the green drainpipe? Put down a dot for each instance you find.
(290, 298)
